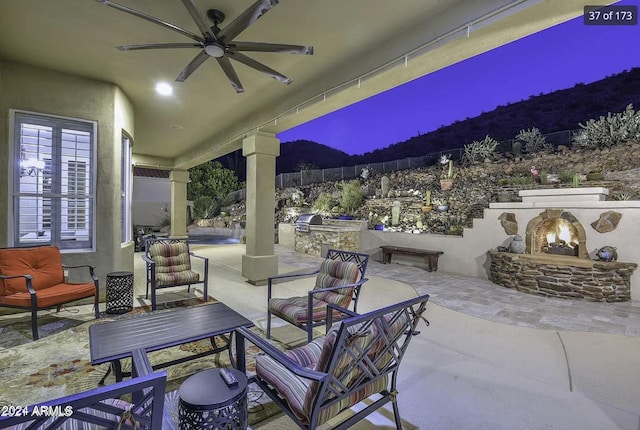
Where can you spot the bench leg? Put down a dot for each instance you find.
(432, 261)
(386, 257)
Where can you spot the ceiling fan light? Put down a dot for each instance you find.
(214, 50)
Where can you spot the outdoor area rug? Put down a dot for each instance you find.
(59, 364)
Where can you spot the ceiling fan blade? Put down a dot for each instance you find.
(199, 18)
(192, 66)
(270, 47)
(246, 18)
(152, 19)
(259, 67)
(159, 46)
(228, 70)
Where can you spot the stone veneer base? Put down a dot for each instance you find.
(562, 276)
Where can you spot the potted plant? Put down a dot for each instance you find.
(440, 205)
(447, 176)
(427, 202)
(377, 222)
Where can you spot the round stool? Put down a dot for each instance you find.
(119, 292)
(206, 402)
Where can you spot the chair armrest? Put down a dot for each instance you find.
(339, 287)
(27, 279)
(288, 277)
(206, 259)
(149, 260)
(92, 269)
(345, 311)
(279, 356)
(141, 365)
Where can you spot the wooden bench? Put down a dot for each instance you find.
(431, 257)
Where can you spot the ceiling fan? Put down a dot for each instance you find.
(219, 43)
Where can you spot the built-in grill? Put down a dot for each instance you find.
(306, 220)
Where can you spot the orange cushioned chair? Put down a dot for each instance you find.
(33, 278)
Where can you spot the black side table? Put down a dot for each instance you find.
(119, 292)
(206, 402)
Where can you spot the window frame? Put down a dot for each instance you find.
(126, 190)
(57, 122)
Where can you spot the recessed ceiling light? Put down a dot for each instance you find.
(164, 89)
(176, 126)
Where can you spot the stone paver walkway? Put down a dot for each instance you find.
(484, 299)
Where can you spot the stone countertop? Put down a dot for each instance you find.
(335, 228)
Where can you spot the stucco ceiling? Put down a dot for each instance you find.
(362, 47)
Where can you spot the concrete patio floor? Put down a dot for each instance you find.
(492, 358)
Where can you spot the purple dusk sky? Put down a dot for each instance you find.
(554, 59)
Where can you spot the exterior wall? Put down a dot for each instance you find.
(49, 92)
(151, 200)
(467, 255)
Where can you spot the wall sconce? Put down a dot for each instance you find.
(30, 166)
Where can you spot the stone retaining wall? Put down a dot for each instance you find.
(564, 277)
(312, 242)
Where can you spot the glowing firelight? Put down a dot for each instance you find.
(564, 234)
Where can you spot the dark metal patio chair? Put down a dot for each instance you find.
(102, 407)
(358, 359)
(338, 282)
(169, 265)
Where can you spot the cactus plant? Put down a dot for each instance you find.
(395, 213)
(576, 181)
(479, 150)
(533, 141)
(384, 183)
(427, 198)
(610, 130)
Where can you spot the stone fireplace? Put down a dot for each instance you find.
(556, 261)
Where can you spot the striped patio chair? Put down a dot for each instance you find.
(357, 360)
(338, 282)
(169, 265)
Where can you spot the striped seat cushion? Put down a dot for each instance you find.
(332, 274)
(299, 392)
(177, 278)
(173, 264)
(294, 309)
(292, 387)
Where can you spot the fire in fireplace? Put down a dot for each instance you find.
(555, 231)
(560, 237)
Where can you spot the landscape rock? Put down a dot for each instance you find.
(607, 222)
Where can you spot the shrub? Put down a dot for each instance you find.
(532, 141)
(323, 203)
(565, 177)
(595, 176)
(622, 196)
(477, 151)
(164, 221)
(205, 207)
(352, 196)
(610, 130)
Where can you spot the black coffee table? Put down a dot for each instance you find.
(114, 340)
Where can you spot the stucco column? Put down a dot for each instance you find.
(259, 262)
(179, 179)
